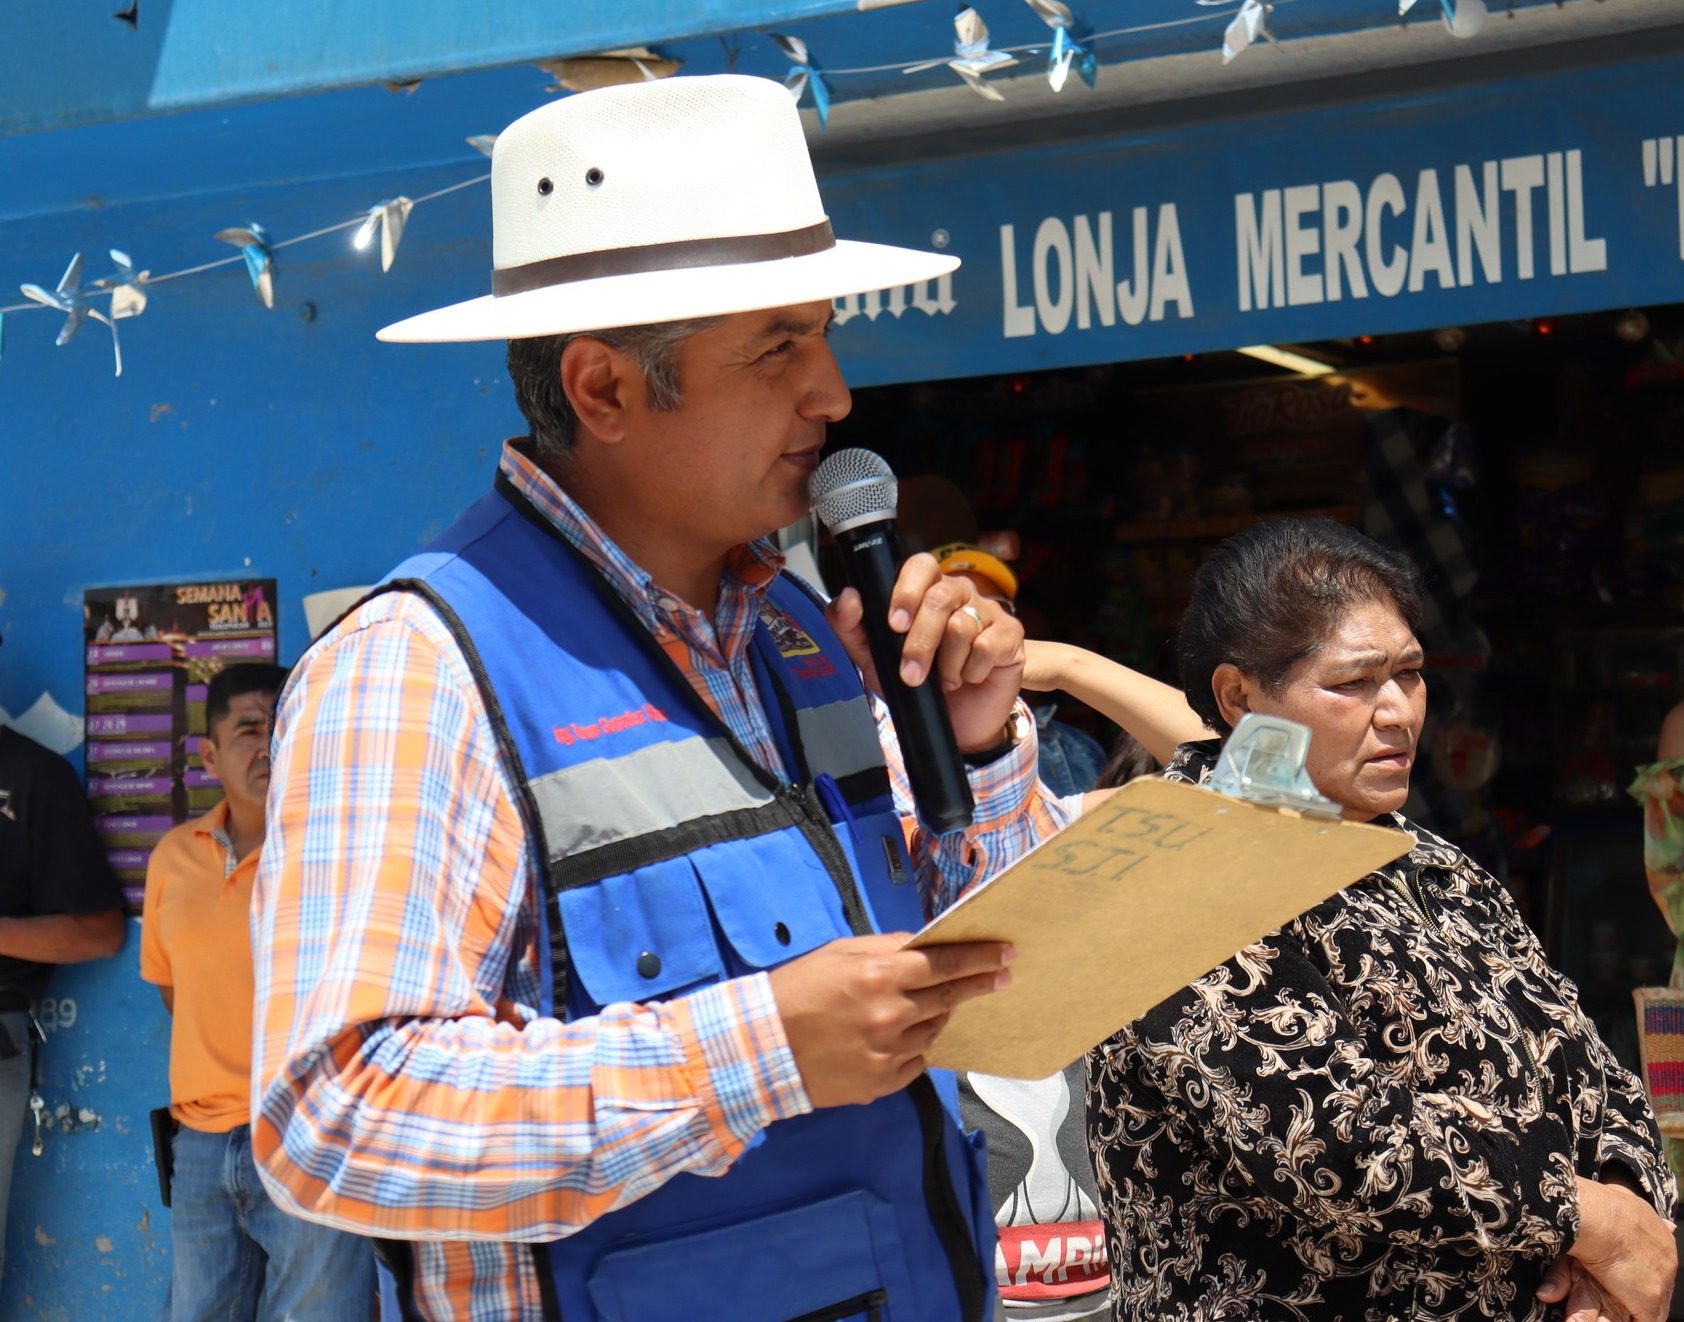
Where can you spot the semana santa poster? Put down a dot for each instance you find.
(150, 654)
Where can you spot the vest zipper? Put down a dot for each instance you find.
(810, 818)
(947, 1216)
(808, 810)
(952, 1226)
(870, 1303)
(549, 1303)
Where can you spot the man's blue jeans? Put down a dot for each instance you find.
(239, 1257)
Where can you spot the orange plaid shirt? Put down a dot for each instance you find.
(404, 1084)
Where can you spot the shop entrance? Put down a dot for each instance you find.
(1534, 471)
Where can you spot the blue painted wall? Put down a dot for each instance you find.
(238, 442)
(87, 1237)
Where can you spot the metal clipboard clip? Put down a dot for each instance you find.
(1262, 762)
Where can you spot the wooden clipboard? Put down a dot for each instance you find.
(1151, 890)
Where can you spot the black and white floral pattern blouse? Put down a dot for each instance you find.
(1376, 1112)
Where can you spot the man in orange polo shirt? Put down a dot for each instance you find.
(236, 1254)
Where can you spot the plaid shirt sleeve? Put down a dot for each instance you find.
(402, 1082)
(1014, 813)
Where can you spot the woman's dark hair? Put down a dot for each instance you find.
(1268, 597)
(1129, 761)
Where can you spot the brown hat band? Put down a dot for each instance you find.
(663, 257)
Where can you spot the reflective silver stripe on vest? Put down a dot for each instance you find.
(611, 799)
(840, 738)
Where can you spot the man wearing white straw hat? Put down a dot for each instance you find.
(570, 981)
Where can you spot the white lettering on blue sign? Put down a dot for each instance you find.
(1314, 243)
(1333, 222)
(934, 298)
(1073, 274)
(1658, 172)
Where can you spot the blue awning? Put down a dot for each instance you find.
(1445, 202)
(75, 64)
(63, 65)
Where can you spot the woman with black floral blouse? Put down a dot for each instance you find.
(1393, 1107)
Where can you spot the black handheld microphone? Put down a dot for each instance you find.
(854, 495)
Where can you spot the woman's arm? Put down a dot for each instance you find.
(1624, 1187)
(1581, 1296)
(1657, 790)
(1619, 1141)
(63, 938)
(1153, 712)
(1672, 735)
(1627, 1248)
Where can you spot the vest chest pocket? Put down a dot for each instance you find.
(772, 897)
(838, 1259)
(876, 844)
(642, 935)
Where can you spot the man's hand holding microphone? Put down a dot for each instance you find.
(860, 1013)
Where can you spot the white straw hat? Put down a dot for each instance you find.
(659, 201)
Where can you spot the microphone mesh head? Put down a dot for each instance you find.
(852, 487)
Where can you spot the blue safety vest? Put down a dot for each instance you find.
(672, 860)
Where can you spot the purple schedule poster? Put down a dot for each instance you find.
(150, 653)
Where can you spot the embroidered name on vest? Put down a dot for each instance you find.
(572, 732)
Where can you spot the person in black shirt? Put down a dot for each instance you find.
(60, 903)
